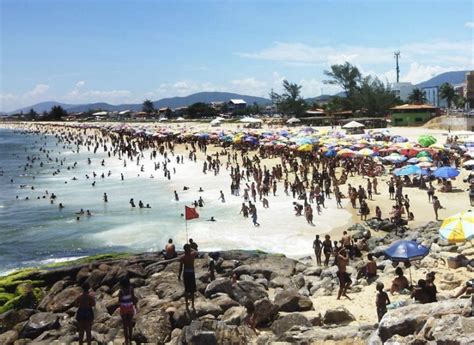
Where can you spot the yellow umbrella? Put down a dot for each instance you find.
(437, 146)
(458, 228)
(305, 148)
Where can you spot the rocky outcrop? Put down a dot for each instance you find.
(244, 291)
(291, 301)
(289, 321)
(411, 319)
(39, 323)
(338, 316)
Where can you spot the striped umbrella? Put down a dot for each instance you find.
(458, 228)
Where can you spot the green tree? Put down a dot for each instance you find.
(447, 92)
(417, 96)
(32, 115)
(148, 107)
(459, 101)
(57, 113)
(200, 109)
(346, 76)
(374, 97)
(290, 101)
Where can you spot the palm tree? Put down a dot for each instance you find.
(447, 92)
(417, 96)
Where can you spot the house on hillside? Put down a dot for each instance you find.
(237, 104)
(100, 115)
(164, 112)
(412, 114)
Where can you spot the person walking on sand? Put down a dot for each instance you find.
(221, 197)
(127, 302)
(381, 301)
(327, 249)
(317, 246)
(186, 268)
(436, 206)
(85, 314)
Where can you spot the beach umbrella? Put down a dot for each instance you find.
(406, 252)
(468, 164)
(458, 228)
(437, 146)
(395, 158)
(446, 172)
(423, 154)
(413, 160)
(330, 153)
(425, 159)
(425, 165)
(365, 152)
(408, 170)
(346, 153)
(305, 148)
(399, 139)
(426, 140)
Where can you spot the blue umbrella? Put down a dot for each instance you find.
(330, 153)
(413, 160)
(408, 170)
(446, 172)
(406, 251)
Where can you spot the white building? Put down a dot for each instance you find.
(402, 90)
(237, 104)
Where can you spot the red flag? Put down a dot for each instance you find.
(190, 213)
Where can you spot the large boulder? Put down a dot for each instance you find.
(9, 337)
(291, 301)
(166, 285)
(39, 323)
(234, 316)
(224, 301)
(265, 311)
(212, 332)
(269, 266)
(204, 307)
(95, 278)
(57, 287)
(12, 317)
(449, 329)
(153, 327)
(64, 300)
(244, 291)
(287, 322)
(412, 318)
(340, 315)
(219, 285)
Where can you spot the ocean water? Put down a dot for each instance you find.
(35, 232)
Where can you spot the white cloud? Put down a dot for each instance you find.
(469, 25)
(433, 52)
(418, 73)
(249, 86)
(109, 96)
(11, 101)
(80, 83)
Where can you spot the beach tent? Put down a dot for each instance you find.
(353, 124)
(180, 119)
(215, 122)
(458, 228)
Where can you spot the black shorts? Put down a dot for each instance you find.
(189, 282)
(85, 315)
(344, 278)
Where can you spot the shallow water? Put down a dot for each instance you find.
(36, 232)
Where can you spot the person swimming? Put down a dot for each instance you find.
(212, 219)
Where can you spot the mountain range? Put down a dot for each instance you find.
(455, 77)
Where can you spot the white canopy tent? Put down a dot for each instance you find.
(248, 119)
(353, 124)
(293, 120)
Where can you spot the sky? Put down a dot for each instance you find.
(124, 51)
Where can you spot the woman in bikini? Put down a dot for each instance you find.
(127, 302)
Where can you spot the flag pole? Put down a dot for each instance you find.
(186, 226)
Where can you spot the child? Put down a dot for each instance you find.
(127, 302)
(381, 301)
(250, 317)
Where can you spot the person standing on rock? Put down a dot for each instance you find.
(344, 277)
(381, 301)
(186, 267)
(127, 302)
(327, 249)
(85, 314)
